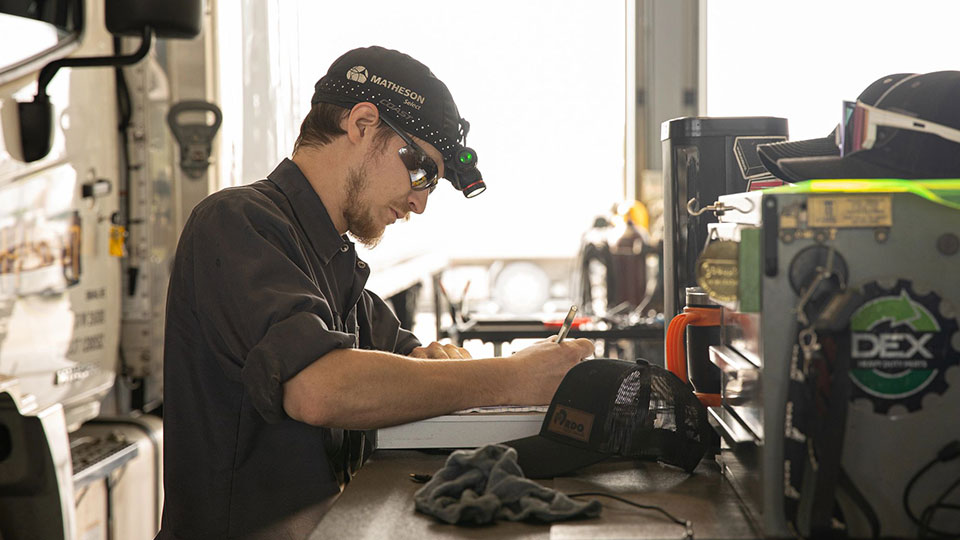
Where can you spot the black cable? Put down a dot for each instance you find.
(685, 523)
(906, 491)
(946, 493)
(867, 511)
(125, 114)
(948, 453)
(927, 516)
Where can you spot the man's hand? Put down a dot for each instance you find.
(440, 351)
(542, 366)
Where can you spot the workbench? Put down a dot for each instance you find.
(378, 503)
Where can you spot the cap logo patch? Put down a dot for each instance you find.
(358, 74)
(571, 422)
(413, 98)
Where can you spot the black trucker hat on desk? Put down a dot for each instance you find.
(605, 408)
(905, 125)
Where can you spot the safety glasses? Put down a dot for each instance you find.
(424, 173)
(858, 128)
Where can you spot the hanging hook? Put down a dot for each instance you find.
(718, 208)
(692, 208)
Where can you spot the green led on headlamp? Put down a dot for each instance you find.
(462, 172)
(466, 156)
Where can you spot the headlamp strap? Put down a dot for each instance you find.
(464, 129)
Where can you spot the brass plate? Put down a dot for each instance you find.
(850, 211)
(718, 270)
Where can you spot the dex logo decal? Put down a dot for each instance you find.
(895, 345)
(900, 345)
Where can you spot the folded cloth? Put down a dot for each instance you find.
(478, 486)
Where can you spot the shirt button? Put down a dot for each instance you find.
(361, 264)
(344, 248)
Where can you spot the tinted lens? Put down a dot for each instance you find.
(846, 127)
(854, 128)
(423, 171)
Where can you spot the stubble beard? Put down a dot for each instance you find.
(360, 220)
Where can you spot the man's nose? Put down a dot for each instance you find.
(417, 201)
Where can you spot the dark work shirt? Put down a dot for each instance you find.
(262, 286)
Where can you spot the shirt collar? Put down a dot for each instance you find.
(310, 212)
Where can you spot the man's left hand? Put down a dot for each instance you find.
(440, 351)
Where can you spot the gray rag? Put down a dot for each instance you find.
(478, 486)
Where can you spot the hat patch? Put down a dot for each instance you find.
(361, 75)
(571, 422)
(358, 74)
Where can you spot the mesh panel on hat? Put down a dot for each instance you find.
(655, 415)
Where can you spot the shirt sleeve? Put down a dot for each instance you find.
(261, 313)
(381, 329)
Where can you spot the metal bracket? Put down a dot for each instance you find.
(195, 139)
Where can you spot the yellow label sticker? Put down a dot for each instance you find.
(117, 234)
(571, 422)
(850, 211)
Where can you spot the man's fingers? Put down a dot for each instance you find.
(452, 351)
(582, 344)
(456, 352)
(437, 351)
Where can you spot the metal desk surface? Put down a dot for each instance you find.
(378, 503)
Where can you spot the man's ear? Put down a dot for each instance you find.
(360, 122)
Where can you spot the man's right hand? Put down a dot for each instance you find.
(542, 366)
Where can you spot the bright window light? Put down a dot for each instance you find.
(24, 38)
(800, 60)
(541, 82)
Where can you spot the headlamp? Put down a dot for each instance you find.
(462, 170)
(463, 173)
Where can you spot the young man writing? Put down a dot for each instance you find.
(276, 358)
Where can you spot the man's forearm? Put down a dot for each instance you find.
(360, 389)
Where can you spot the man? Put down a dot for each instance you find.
(276, 358)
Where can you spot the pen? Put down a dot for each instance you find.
(567, 323)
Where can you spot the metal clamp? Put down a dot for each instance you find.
(823, 272)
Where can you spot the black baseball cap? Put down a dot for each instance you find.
(406, 91)
(605, 408)
(897, 153)
(771, 153)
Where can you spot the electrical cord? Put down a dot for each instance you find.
(687, 525)
(948, 453)
(856, 496)
(927, 516)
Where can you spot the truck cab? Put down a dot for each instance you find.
(89, 214)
